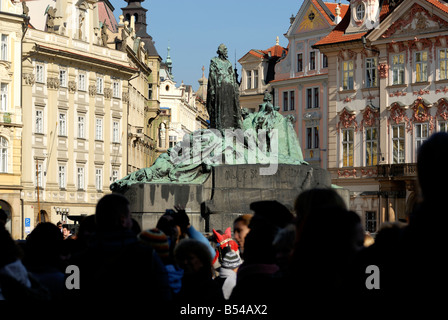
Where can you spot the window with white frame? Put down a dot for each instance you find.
(4, 48)
(81, 127)
(82, 82)
(312, 98)
(80, 178)
(62, 181)
(40, 73)
(324, 61)
(99, 85)
(371, 141)
(312, 137)
(4, 97)
(312, 64)
(299, 62)
(347, 75)
(172, 141)
(360, 11)
(62, 124)
(421, 134)
(3, 154)
(39, 121)
(249, 79)
(116, 131)
(99, 179)
(443, 64)
(398, 68)
(255, 79)
(421, 66)
(63, 78)
(347, 147)
(114, 175)
(398, 146)
(98, 129)
(443, 126)
(371, 72)
(116, 89)
(38, 176)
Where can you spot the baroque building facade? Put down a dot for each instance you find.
(74, 99)
(300, 86)
(12, 24)
(387, 85)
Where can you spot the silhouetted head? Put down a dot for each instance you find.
(431, 160)
(113, 213)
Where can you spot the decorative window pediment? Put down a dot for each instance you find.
(370, 115)
(347, 119)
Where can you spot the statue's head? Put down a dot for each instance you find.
(222, 50)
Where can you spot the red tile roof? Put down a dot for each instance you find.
(332, 7)
(275, 51)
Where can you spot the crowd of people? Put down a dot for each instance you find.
(274, 256)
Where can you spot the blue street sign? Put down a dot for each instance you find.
(27, 222)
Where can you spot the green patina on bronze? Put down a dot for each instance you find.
(267, 128)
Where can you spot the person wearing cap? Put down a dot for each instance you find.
(230, 262)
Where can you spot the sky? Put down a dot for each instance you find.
(193, 29)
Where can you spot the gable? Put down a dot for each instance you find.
(415, 21)
(313, 15)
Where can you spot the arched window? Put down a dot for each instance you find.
(128, 17)
(3, 154)
(136, 17)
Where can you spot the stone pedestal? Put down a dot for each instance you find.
(226, 194)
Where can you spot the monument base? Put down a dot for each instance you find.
(226, 194)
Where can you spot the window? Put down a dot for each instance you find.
(63, 78)
(99, 85)
(172, 141)
(371, 72)
(99, 129)
(443, 126)
(62, 180)
(398, 143)
(421, 66)
(347, 147)
(443, 64)
(360, 11)
(3, 154)
(347, 75)
(150, 91)
(114, 175)
(300, 62)
(312, 60)
(80, 178)
(4, 97)
(40, 73)
(324, 61)
(116, 89)
(39, 121)
(4, 48)
(285, 101)
(81, 127)
(421, 134)
(82, 82)
(62, 124)
(248, 79)
(99, 179)
(312, 98)
(371, 147)
(398, 68)
(370, 219)
(116, 131)
(291, 100)
(38, 176)
(312, 137)
(255, 79)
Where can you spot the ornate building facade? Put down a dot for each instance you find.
(300, 86)
(12, 24)
(74, 98)
(387, 84)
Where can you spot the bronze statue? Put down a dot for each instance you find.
(223, 93)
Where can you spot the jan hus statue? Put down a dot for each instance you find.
(223, 93)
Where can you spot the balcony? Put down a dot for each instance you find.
(385, 171)
(402, 170)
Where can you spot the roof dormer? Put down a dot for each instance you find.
(364, 15)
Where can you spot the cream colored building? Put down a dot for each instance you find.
(75, 96)
(11, 125)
